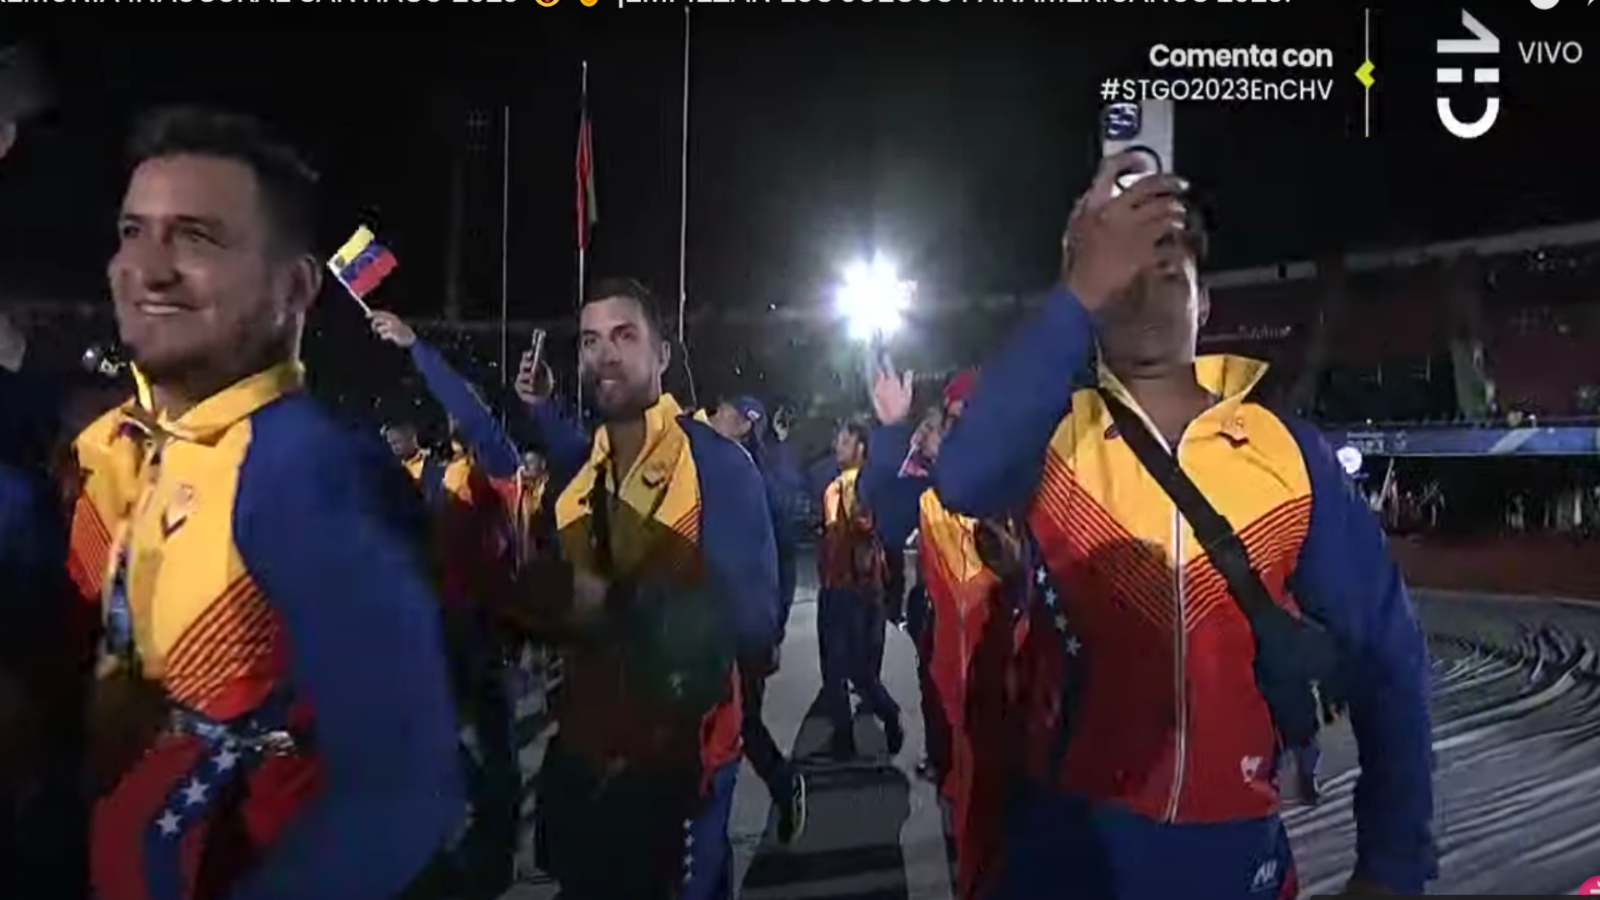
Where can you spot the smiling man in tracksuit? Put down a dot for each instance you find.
(1150, 758)
(673, 577)
(271, 717)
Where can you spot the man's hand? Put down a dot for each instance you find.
(534, 381)
(891, 396)
(393, 329)
(1113, 237)
(999, 547)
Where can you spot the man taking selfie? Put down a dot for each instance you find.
(1194, 557)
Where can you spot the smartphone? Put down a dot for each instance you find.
(1144, 128)
(536, 349)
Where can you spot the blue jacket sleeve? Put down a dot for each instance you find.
(736, 536)
(785, 473)
(34, 591)
(894, 500)
(991, 461)
(563, 442)
(490, 446)
(333, 539)
(1346, 580)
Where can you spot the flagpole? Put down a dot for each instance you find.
(683, 218)
(505, 244)
(583, 237)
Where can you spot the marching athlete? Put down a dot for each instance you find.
(1160, 705)
(272, 718)
(666, 528)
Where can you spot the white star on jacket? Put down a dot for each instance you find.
(195, 793)
(1052, 602)
(192, 798)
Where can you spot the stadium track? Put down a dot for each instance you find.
(1516, 706)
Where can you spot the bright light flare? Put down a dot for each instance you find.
(1350, 459)
(873, 299)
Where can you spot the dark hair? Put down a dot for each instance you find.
(857, 427)
(631, 289)
(288, 185)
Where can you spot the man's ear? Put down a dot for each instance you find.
(1203, 310)
(666, 359)
(304, 283)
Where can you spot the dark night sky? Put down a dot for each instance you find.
(954, 138)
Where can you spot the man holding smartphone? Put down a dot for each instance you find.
(1162, 695)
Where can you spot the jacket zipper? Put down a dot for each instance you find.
(1180, 652)
(1180, 638)
(1180, 642)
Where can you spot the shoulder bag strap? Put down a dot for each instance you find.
(1220, 542)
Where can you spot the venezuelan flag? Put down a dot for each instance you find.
(362, 263)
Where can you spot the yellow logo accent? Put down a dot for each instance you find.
(1364, 74)
(550, 3)
(588, 2)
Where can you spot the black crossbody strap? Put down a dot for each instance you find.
(1220, 542)
(600, 522)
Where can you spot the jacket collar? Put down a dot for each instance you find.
(208, 420)
(1229, 379)
(659, 420)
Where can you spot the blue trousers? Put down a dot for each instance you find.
(850, 640)
(1058, 845)
(641, 836)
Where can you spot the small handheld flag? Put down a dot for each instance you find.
(362, 264)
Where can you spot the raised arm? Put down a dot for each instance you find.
(478, 428)
(1346, 580)
(991, 461)
(891, 496)
(483, 435)
(560, 437)
(992, 458)
(334, 539)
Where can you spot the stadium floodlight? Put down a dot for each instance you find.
(873, 299)
(1350, 459)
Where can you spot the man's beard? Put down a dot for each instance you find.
(627, 401)
(203, 368)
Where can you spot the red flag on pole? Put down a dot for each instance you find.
(587, 212)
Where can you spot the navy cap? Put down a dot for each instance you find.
(750, 408)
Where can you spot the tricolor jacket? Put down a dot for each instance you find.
(271, 566)
(688, 529)
(1169, 722)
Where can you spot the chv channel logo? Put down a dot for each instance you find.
(1483, 50)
